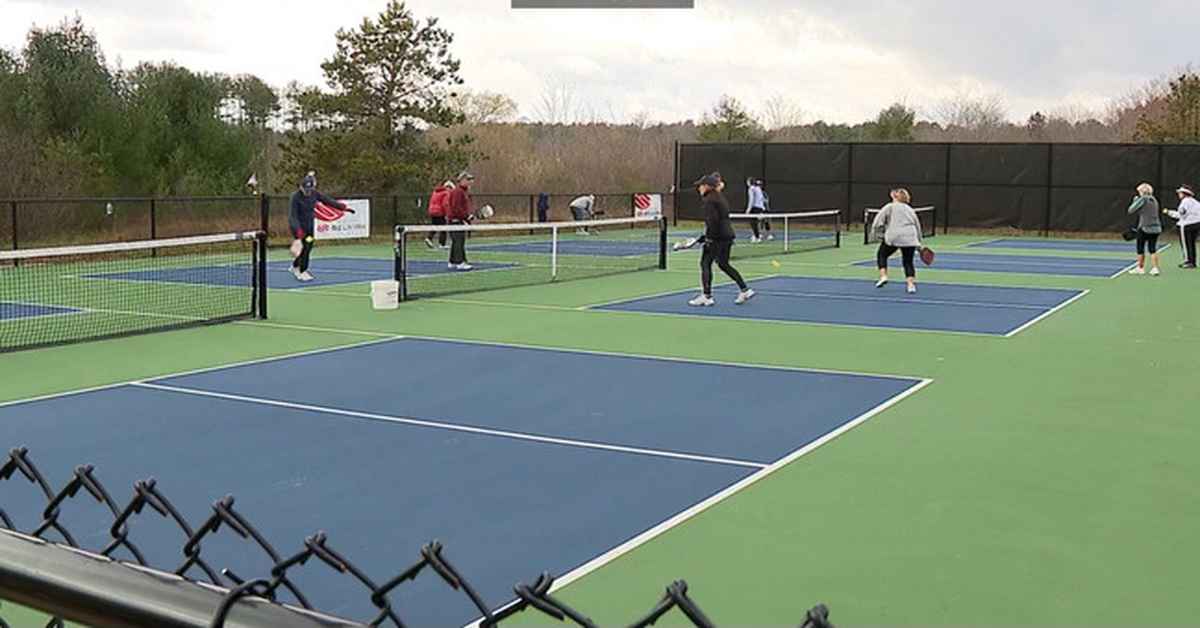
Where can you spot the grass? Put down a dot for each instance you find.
(1044, 479)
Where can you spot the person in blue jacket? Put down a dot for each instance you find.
(302, 219)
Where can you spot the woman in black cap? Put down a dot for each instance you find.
(718, 242)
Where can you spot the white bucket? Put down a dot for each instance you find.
(385, 295)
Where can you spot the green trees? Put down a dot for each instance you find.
(730, 122)
(391, 79)
(75, 126)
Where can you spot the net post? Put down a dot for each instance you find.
(264, 214)
(260, 283)
(401, 269)
(153, 225)
(662, 242)
(866, 227)
(553, 252)
(837, 230)
(13, 207)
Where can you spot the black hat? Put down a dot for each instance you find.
(711, 180)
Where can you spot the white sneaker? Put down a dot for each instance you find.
(452, 266)
(911, 290)
(754, 240)
(702, 301)
(429, 243)
(881, 283)
(295, 272)
(770, 236)
(464, 266)
(444, 247)
(306, 276)
(1138, 271)
(1154, 272)
(742, 297)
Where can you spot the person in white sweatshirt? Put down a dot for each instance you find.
(756, 203)
(899, 229)
(1188, 216)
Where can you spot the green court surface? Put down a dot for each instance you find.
(1043, 479)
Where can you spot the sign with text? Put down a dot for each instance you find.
(335, 224)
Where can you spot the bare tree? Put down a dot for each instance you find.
(484, 107)
(970, 117)
(781, 112)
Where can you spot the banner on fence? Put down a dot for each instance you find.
(335, 224)
(647, 205)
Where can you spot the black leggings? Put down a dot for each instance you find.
(718, 251)
(441, 235)
(1147, 241)
(458, 244)
(1189, 241)
(754, 224)
(907, 252)
(301, 262)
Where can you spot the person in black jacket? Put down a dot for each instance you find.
(718, 242)
(302, 219)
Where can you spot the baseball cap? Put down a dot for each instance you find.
(710, 180)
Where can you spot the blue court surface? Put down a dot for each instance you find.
(1027, 264)
(988, 310)
(1098, 246)
(513, 457)
(326, 271)
(595, 247)
(11, 310)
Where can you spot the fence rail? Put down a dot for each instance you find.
(43, 222)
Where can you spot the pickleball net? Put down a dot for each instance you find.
(513, 255)
(60, 295)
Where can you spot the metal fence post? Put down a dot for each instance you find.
(153, 226)
(14, 230)
(1049, 190)
(945, 197)
(849, 183)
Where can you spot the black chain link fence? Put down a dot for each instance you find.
(279, 582)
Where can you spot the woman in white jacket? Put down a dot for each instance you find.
(1188, 216)
(899, 229)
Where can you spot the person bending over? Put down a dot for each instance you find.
(302, 220)
(582, 210)
(718, 242)
(899, 229)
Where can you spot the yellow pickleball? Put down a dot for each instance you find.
(776, 264)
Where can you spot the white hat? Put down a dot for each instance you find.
(1186, 189)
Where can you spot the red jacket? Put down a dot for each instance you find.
(458, 205)
(437, 202)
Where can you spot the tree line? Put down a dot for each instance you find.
(396, 117)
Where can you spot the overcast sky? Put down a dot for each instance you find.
(840, 61)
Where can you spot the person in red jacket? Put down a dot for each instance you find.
(437, 213)
(459, 209)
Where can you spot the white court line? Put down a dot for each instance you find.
(683, 516)
(1047, 314)
(456, 427)
(1128, 268)
(642, 356)
(207, 369)
(898, 300)
(592, 306)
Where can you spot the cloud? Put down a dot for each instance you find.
(839, 61)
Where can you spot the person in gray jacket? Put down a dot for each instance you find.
(898, 229)
(1149, 226)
